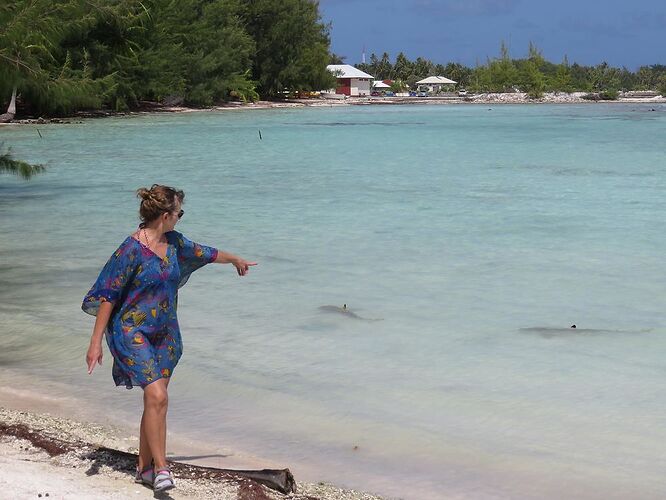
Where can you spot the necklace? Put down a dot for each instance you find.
(145, 237)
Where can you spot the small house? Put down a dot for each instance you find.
(351, 81)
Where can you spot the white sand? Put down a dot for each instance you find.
(28, 472)
(78, 470)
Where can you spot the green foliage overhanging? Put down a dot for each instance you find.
(9, 165)
(532, 74)
(66, 55)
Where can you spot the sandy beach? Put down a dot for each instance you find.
(471, 99)
(42, 456)
(55, 447)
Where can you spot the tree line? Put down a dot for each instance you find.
(532, 74)
(66, 55)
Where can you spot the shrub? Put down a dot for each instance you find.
(661, 87)
(609, 95)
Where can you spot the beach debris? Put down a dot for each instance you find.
(50, 445)
(247, 490)
(281, 480)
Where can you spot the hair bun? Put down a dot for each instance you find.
(143, 193)
(158, 200)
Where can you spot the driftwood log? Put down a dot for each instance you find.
(280, 480)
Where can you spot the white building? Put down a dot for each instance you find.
(435, 83)
(351, 81)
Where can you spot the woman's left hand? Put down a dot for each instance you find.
(242, 266)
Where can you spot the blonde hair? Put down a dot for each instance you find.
(158, 200)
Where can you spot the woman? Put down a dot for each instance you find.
(134, 299)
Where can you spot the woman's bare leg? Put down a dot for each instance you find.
(145, 455)
(163, 429)
(155, 404)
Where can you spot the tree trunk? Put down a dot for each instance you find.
(11, 110)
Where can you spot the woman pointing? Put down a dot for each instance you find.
(134, 300)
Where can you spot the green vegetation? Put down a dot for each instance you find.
(66, 55)
(532, 74)
(9, 165)
(292, 46)
(661, 86)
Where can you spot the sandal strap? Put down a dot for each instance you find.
(145, 476)
(163, 478)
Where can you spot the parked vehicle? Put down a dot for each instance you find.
(462, 93)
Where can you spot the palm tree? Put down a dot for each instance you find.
(8, 165)
(11, 110)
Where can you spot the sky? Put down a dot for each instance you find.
(621, 33)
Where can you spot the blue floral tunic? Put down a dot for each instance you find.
(143, 333)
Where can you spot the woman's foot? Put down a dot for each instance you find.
(145, 476)
(163, 480)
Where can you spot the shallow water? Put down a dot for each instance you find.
(464, 240)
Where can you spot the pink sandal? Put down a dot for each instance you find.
(163, 480)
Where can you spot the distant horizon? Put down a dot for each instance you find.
(470, 32)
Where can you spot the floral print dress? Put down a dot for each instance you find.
(142, 332)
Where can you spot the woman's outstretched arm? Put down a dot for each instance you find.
(94, 354)
(242, 266)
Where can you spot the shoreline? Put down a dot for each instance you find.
(43, 455)
(49, 399)
(73, 424)
(476, 99)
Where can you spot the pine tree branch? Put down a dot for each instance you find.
(9, 165)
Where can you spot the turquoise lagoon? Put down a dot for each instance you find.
(467, 240)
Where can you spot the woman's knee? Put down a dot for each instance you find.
(156, 395)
